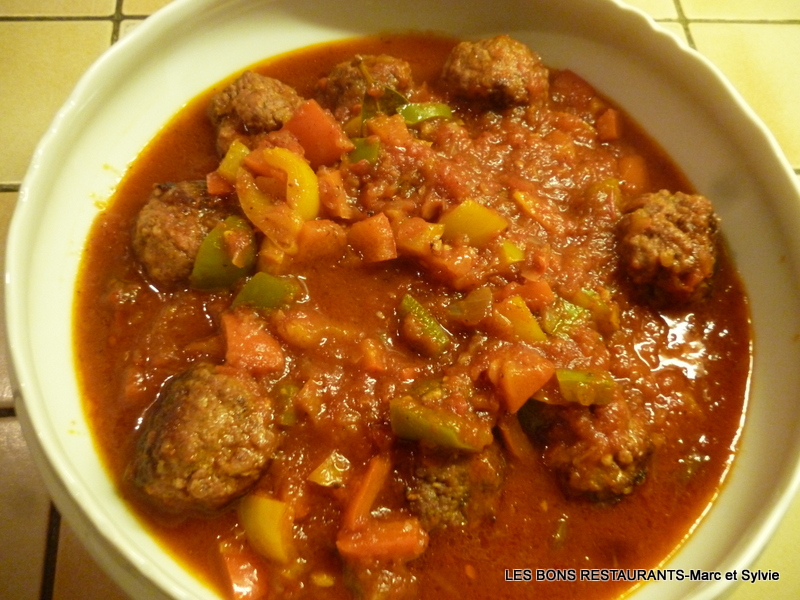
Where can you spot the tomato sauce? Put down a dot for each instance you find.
(686, 366)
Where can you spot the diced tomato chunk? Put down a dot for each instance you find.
(249, 345)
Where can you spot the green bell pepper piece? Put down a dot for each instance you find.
(416, 112)
(421, 328)
(365, 149)
(214, 266)
(586, 387)
(266, 291)
(411, 420)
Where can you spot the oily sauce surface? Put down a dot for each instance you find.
(691, 366)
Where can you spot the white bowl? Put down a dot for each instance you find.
(133, 90)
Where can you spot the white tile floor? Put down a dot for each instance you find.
(756, 44)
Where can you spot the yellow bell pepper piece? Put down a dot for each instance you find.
(514, 317)
(479, 223)
(302, 188)
(267, 524)
(332, 471)
(232, 161)
(510, 253)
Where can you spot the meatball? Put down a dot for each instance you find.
(170, 228)
(205, 441)
(456, 489)
(253, 104)
(343, 90)
(668, 245)
(499, 70)
(598, 451)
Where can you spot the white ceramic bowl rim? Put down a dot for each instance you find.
(732, 157)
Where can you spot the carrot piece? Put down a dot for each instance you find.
(320, 135)
(320, 240)
(609, 126)
(634, 175)
(373, 238)
(357, 513)
(249, 345)
(400, 540)
(518, 373)
(217, 185)
(246, 580)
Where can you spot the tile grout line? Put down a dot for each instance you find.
(116, 22)
(684, 21)
(50, 554)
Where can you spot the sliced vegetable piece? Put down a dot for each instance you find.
(233, 159)
(411, 420)
(320, 135)
(605, 312)
(311, 328)
(516, 440)
(537, 293)
(280, 223)
(247, 582)
(416, 112)
(267, 522)
(514, 320)
(285, 411)
(518, 373)
(249, 345)
(365, 148)
(480, 224)
(609, 125)
(226, 254)
(332, 471)
(472, 309)
(417, 237)
(421, 329)
(393, 540)
(560, 317)
(217, 185)
(586, 387)
(358, 511)
(634, 174)
(302, 187)
(373, 238)
(510, 253)
(267, 291)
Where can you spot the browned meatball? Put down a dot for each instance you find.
(343, 90)
(455, 489)
(598, 451)
(251, 105)
(668, 245)
(499, 70)
(170, 228)
(205, 441)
